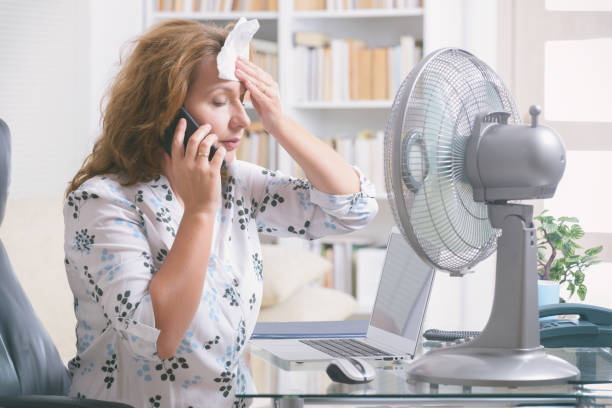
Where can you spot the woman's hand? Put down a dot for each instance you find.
(264, 93)
(195, 180)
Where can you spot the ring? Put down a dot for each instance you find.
(202, 154)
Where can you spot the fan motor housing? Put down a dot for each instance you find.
(514, 162)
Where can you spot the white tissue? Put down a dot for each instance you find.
(236, 44)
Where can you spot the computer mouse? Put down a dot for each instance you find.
(350, 370)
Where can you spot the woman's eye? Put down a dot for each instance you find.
(219, 103)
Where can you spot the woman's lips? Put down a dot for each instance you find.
(231, 144)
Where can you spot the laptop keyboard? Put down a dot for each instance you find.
(345, 348)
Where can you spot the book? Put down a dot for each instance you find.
(338, 73)
(379, 73)
(364, 74)
(354, 47)
(311, 39)
(364, 4)
(327, 74)
(364, 153)
(166, 5)
(178, 5)
(392, 69)
(312, 73)
(300, 55)
(378, 164)
(407, 45)
(345, 148)
(269, 47)
(318, 65)
(303, 5)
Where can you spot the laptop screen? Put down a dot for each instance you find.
(403, 291)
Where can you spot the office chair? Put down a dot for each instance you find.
(32, 373)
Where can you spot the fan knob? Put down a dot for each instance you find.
(534, 111)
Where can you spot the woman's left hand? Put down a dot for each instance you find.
(264, 93)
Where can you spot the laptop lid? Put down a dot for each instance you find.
(402, 297)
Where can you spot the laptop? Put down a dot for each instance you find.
(395, 324)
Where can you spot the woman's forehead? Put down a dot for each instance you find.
(208, 77)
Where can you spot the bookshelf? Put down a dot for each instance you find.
(327, 119)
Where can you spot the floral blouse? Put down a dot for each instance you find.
(117, 237)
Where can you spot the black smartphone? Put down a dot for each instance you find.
(192, 126)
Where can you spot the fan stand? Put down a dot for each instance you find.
(508, 351)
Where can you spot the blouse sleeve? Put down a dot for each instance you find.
(288, 206)
(106, 244)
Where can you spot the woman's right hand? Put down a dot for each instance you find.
(195, 180)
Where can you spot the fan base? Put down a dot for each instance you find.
(465, 365)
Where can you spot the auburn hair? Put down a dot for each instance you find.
(149, 89)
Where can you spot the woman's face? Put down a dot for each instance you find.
(218, 102)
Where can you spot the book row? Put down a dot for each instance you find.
(347, 69)
(217, 6)
(303, 5)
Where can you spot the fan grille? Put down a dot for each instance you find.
(430, 122)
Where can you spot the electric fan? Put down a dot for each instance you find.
(455, 156)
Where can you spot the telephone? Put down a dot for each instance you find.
(192, 126)
(593, 328)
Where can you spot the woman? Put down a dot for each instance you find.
(162, 252)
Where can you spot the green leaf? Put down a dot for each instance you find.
(549, 228)
(568, 219)
(594, 251)
(567, 248)
(582, 291)
(555, 237)
(576, 232)
(555, 271)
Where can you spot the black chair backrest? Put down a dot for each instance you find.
(31, 352)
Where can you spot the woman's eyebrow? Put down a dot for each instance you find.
(227, 88)
(230, 89)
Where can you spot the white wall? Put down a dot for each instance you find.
(468, 24)
(113, 24)
(43, 83)
(57, 57)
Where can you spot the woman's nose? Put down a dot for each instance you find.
(240, 118)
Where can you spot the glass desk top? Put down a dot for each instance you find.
(283, 381)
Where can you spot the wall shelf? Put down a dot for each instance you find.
(369, 13)
(203, 16)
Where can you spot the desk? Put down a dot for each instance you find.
(291, 384)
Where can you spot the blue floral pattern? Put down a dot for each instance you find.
(117, 238)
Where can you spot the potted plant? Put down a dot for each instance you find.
(559, 260)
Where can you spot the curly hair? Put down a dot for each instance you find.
(149, 89)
